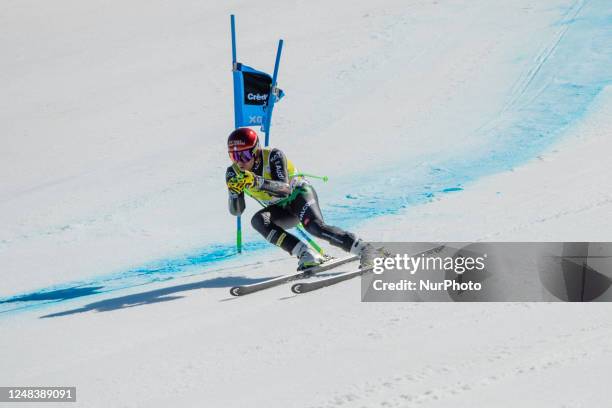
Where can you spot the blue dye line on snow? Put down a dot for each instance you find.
(153, 272)
(556, 92)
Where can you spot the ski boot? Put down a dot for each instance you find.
(367, 253)
(307, 258)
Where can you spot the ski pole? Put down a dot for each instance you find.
(238, 235)
(324, 178)
(311, 241)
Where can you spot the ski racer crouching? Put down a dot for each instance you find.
(270, 178)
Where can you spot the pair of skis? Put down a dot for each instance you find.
(303, 286)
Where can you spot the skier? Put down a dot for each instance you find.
(270, 178)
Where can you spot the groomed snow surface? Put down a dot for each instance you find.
(441, 120)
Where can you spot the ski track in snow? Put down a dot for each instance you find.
(456, 377)
(524, 82)
(551, 95)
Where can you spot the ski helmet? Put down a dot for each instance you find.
(242, 144)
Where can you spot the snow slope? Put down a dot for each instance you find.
(560, 195)
(436, 120)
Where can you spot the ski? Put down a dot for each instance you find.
(270, 283)
(303, 287)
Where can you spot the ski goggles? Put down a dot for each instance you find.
(243, 156)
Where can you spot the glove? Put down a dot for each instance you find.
(243, 179)
(249, 178)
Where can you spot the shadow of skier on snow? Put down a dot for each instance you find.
(155, 296)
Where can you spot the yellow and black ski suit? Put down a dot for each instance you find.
(288, 199)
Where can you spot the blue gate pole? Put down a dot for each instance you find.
(272, 97)
(267, 124)
(233, 25)
(234, 62)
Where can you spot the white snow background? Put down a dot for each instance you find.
(437, 120)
